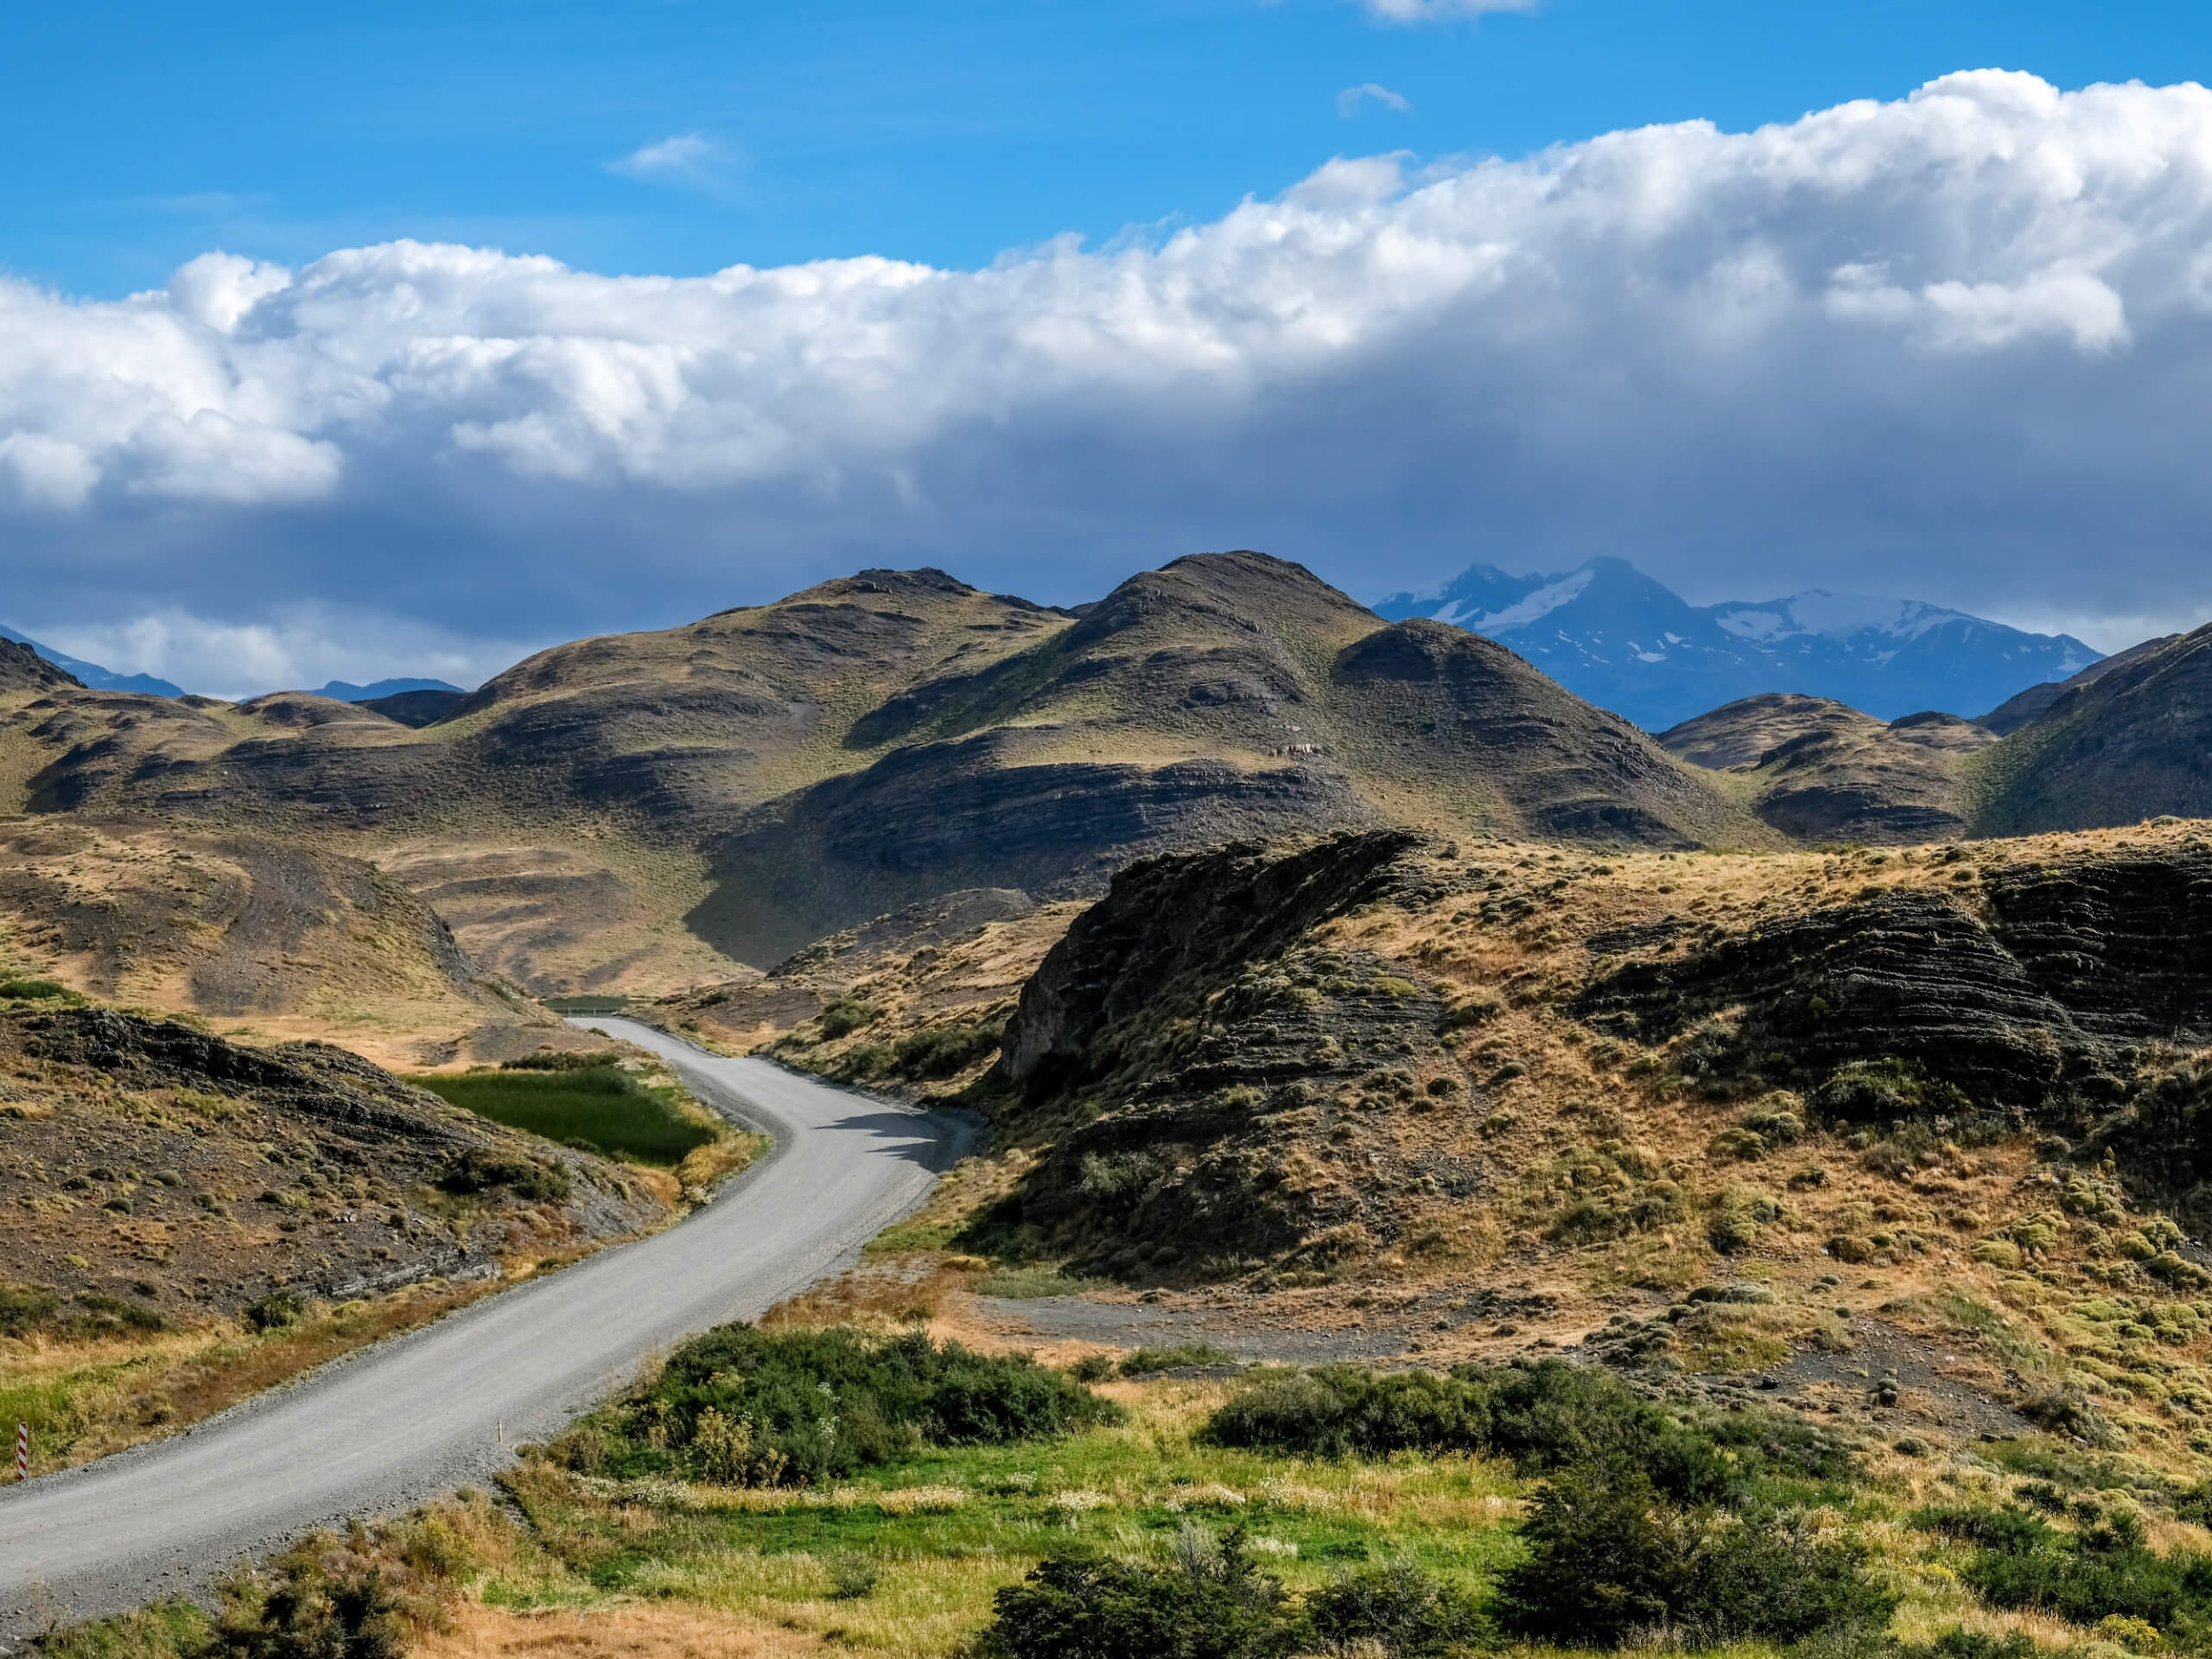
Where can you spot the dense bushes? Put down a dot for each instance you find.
(1609, 1559)
(940, 1051)
(2105, 1570)
(1545, 1416)
(1630, 1533)
(1212, 1604)
(739, 1406)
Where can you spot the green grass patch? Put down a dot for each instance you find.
(586, 1004)
(604, 1109)
(1026, 1284)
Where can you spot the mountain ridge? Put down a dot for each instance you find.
(1626, 641)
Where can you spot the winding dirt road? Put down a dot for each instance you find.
(410, 1419)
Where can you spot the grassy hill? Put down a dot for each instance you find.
(644, 811)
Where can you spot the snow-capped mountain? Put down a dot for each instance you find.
(1610, 633)
(99, 678)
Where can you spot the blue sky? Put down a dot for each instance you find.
(146, 134)
(352, 340)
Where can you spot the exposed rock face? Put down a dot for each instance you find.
(2039, 1001)
(1194, 1009)
(21, 667)
(1170, 930)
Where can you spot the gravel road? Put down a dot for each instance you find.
(417, 1416)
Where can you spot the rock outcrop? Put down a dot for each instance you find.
(22, 668)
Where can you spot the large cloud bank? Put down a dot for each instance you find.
(1958, 345)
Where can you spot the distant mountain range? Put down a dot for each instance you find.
(1611, 634)
(95, 677)
(107, 679)
(346, 691)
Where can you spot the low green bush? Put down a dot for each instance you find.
(1545, 1416)
(1401, 1609)
(847, 1015)
(1077, 1605)
(1212, 1604)
(36, 990)
(1611, 1560)
(549, 1059)
(943, 1052)
(740, 1407)
(2105, 1570)
(476, 1172)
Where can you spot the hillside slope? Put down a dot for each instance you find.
(1819, 771)
(271, 938)
(652, 810)
(2129, 745)
(1223, 696)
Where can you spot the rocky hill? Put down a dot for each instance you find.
(1818, 771)
(1224, 695)
(23, 669)
(2036, 702)
(152, 1172)
(2129, 745)
(1937, 1112)
(653, 809)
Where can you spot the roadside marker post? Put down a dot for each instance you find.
(22, 1451)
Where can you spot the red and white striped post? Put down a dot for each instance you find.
(22, 1451)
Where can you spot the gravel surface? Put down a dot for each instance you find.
(411, 1419)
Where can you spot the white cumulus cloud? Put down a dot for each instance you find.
(1953, 345)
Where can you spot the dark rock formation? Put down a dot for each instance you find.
(1212, 1041)
(22, 667)
(1173, 930)
(2041, 1002)
(417, 708)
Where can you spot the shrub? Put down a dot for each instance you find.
(278, 1311)
(1400, 1610)
(34, 990)
(847, 1015)
(1609, 1559)
(476, 1171)
(1338, 1411)
(2103, 1572)
(1883, 1091)
(1076, 1605)
(944, 1050)
(25, 1308)
(1544, 1416)
(740, 1407)
(853, 1575)
(307, 1614)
